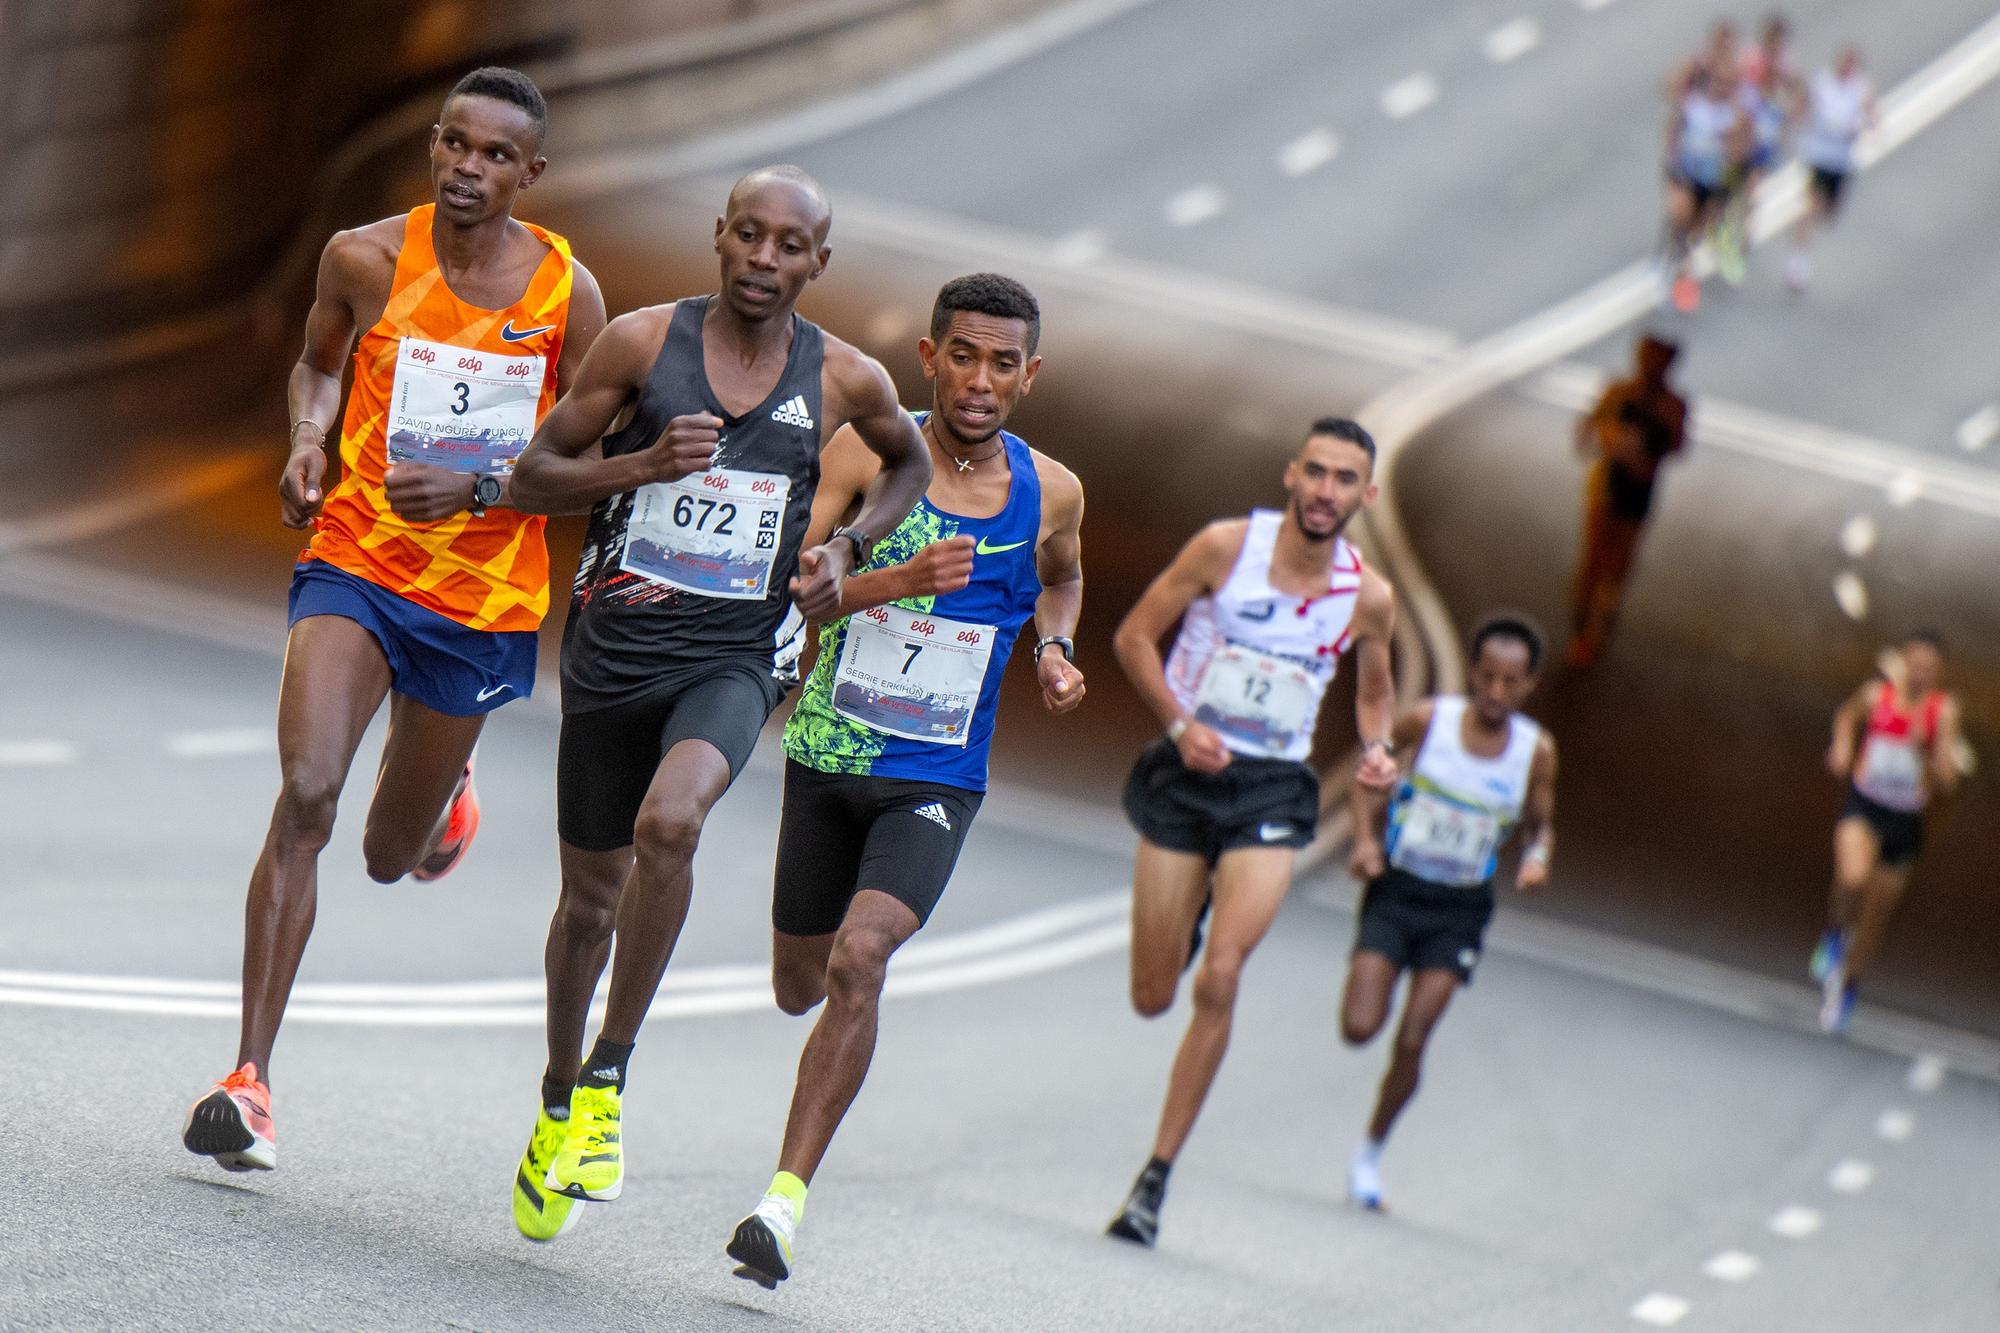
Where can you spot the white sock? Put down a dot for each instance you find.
(1369, 1153)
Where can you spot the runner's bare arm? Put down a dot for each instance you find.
(1366, 804)
(1538, 820)
(864, 397)
(846, 468)
(1200, 567)
(586, 321)
(1374, 680)
(1944, 754)
(555, 475)
(351, 262)
(1846, 718)
(1059, 565)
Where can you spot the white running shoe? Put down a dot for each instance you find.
(1364, 1181)
(762, 1245)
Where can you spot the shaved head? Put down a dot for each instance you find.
(794, 180)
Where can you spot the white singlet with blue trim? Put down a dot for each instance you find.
(1449, 817)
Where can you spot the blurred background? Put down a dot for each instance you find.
(1437, 217)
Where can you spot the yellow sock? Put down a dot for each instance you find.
(790, 1187)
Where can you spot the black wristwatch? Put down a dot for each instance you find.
(1066, 644)
(485, 491)
(861, 543)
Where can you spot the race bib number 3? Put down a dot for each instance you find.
(1262, 703)
(1447, 843)
(715, 533)
(913, 675)
(461, 408)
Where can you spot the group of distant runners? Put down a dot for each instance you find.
(764, 517)
(1737, 111)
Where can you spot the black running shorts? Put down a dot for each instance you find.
(607, 757)
(1827, 185)
(1417, 924)
(844, 832)
(1900, 832)
(1252, 803)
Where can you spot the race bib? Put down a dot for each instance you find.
(912, 674)
(715, 533)
(1257, 702)
(461, 408)
(1443, 842)
(1892, 774)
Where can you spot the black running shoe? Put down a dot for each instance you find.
(1139, 1221)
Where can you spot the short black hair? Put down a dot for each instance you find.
(1516, 629)
(1926, 635)
(505, 85)
(1340, 428)
(987, 294)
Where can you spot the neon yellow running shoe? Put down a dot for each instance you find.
(591, 1162)
(539, 1214)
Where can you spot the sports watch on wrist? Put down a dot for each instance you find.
(485, 491)
(1067, 645)
(861, 542)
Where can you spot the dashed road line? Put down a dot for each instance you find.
(1895, 1125)
(224, 744)
(36, 753)
(1905, 488)
(1592, 6)
(1732, 1266)
(1858, 536)
(1978, 430)
(1795, 1222)
(1661, 1309)
(1927, 1073)
(1850, 594)
(1079, 248)
(1407, 96)
(1309, 152)
(1196, 204)
(1511, 41)
(1850, 1175)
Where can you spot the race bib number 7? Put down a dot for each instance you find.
(461, 408)
(715, 533)
(912, 674)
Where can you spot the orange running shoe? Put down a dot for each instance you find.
(458, 831)
(233, 1125)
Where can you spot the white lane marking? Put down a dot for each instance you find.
(1850, 594)
(127, 506)
(222, 744)
(1035, 942)
(1407, 96)
(1309, 152)
(1927, 1073)
(1857, 536)
(1850, 1175)
(1905, 488)
(1732, 1266)
(1978, 430)
(1196, 204)
(777, 137)
(36, 753)
(1079, 247)
(1592, 6)
(1661, 1309)
(1795, 1222)
(1511, 41)
(1895, 1125)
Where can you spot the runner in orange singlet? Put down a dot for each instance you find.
(418, 585)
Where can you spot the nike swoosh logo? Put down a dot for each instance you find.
(984, 549)
(489, 692)
(509, 333)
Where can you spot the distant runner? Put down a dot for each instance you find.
(1840, 108)
(1637, 424)
(423, 583)
(1895, 742)
(887, 748)
(1224, 800)
(1480, 769)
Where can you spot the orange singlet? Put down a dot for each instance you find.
(443, 382)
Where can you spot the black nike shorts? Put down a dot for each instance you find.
(606, 758)
(1900, 833)
(1253, 802)
(1827, 185)
(1416, 924)
(844, 832)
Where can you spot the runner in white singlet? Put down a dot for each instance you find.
(1840, 106)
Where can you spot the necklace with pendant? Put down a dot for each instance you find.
(964, 464)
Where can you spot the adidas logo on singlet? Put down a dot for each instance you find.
(794, 413)
(935, 813)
